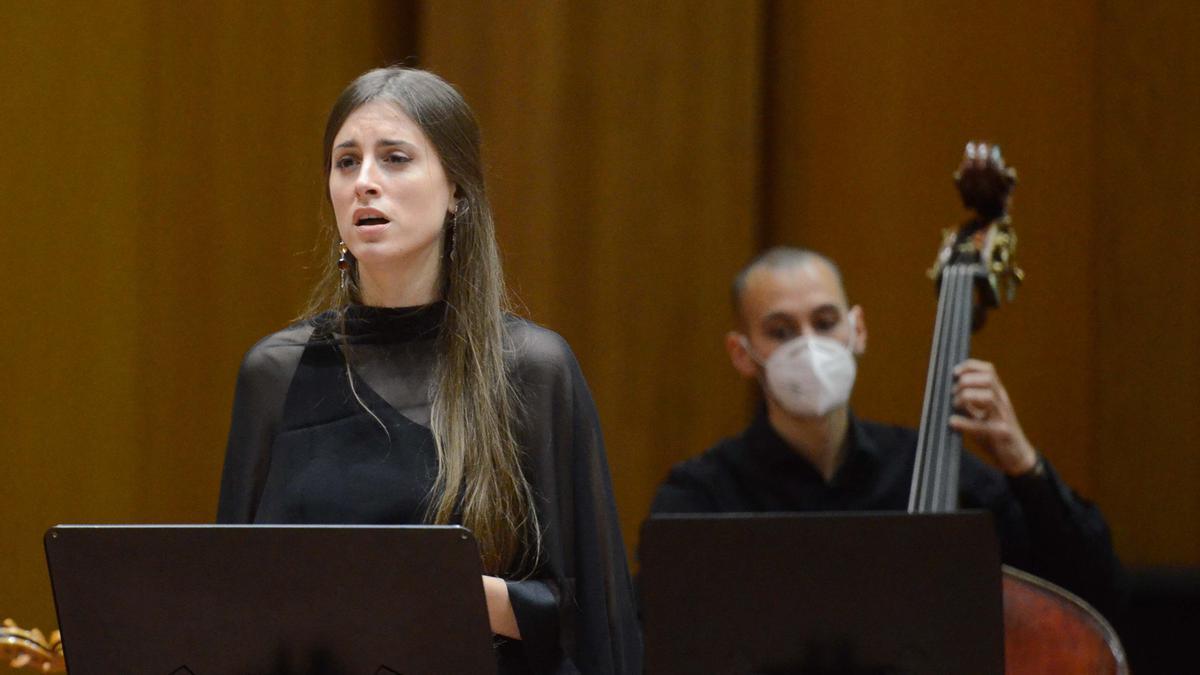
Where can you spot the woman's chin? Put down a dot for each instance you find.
(389, 258)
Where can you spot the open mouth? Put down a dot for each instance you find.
(371, 220)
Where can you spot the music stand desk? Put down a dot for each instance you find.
(847, 593)
(269, 600)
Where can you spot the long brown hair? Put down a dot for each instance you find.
(474, 403)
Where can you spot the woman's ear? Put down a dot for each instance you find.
(739, 354)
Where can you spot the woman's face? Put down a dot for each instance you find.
(389, 191)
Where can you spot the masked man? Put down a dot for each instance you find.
(806, 451)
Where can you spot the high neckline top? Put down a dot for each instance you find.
(366, 324)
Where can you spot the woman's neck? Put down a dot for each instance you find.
(820, 440)
(409, 284)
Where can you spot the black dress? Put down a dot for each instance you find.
(307, 445)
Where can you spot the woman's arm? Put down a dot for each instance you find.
(499, 608)
(262, 385)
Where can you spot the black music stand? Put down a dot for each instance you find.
(269, 600)
(848, 593)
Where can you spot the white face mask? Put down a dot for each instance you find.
(810, 376)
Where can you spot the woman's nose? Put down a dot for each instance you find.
(366, 185)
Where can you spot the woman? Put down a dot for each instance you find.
(408, 395)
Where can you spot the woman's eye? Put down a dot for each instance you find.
(345, 162)
(397, 158)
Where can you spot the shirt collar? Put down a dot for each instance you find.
(768, 447)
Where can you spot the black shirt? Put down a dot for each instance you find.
(331, 425)
(1043, 526)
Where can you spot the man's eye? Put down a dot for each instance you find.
(780, 334)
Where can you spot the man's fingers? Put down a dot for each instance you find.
(979, 402)
(974, 379)
(977, 395)
(966, 425)
(991, 432)
(974, 366)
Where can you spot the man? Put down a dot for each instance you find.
(806, 451)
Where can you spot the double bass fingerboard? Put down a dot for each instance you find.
(939, 448)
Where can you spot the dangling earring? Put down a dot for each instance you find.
(451, 230)
(460, 207)
(344, 263)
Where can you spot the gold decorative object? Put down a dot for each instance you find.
(30, 648)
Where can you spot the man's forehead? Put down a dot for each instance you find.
(797, 288)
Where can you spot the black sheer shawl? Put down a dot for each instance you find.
(576, 610)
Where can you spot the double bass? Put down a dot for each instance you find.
(1046, 628)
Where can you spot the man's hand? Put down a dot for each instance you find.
(986, 415)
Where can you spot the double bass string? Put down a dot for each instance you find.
(938, 441)
(959, 352)
(937, 459)
(943, 446)
(937, 450)
(917, 495)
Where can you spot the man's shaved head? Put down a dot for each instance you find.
(779, 257)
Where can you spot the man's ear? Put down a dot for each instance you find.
(735, 344)
(858, 341)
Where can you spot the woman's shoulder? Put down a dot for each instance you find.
(280, 350)
(538, 349)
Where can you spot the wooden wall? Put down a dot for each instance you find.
(161, 186)
(1145, 372)
(624, 145)
(162, 191)
(868, 129)
(1095, 103)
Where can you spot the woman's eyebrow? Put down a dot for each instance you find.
(381, 143)
(388, 142)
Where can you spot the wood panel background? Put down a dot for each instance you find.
(160, 195)
(625, 171)
(1146, 263)
(162, 190)
(869, 128)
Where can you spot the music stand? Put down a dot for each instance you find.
(269, 600)
(847, 593)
